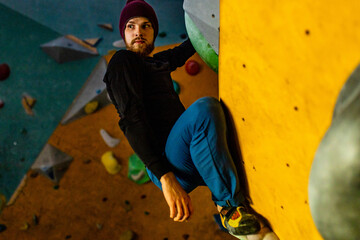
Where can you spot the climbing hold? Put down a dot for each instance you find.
(34, 174)
(99, 226)
(127, 207)
(4, 71)
(92, 41)
(110, 141)
(334, 187)
(127, 235)
(52, 163)
(110, 163)
(176, 87)
(2, 227)
(107, 26)
(183, 36)
(28, 103)
(119, 44)
(98, 91)
(192, 67)
(162, 34)
(201, 45)
(146, 213)
(137, 171)
(56, 187)
(91, 107)
(2, 103)
(35, 219)
(25, 226)
(23, 131)
(68, 48)
(87, 161)
(185, 236)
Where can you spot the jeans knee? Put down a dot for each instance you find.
(207, 104)
(206, 109)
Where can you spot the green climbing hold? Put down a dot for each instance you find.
(201, 45)
(137, 171)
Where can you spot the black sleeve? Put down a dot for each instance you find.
(124, 82)
(178, 55)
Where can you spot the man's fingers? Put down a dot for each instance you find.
(179, 211)
(186, 211)
(172, 210)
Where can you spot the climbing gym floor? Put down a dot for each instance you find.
(90, 204)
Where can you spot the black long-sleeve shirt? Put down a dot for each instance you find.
(142, 91)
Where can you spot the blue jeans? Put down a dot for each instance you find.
(197, 149)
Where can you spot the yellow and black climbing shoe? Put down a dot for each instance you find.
(238, 221)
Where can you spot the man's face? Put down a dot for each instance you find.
(139, 36)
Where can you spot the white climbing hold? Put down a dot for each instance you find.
(119, 44)
(110, 141)
(137, 177)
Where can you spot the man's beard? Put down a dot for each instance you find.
(143, 52)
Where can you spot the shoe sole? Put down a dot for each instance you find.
(264, 234)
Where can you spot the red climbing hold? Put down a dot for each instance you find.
(4, 71)
(192, 67)
(2, 103)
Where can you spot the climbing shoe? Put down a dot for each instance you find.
(238, 221)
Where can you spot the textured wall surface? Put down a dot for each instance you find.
(282, 66)
(25, 26)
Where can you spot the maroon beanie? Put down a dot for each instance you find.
(137, 8)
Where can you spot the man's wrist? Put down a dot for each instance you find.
(167, 177)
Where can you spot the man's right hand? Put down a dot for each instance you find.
(178, 200)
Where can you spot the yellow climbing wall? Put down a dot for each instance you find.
(282, 65)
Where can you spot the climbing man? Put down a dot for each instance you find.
(181, 149)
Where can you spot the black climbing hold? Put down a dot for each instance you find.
(162, 34)
(35, 219)
(34, 174)
(87, 161)
(2, 227)
(56, 187)
(104, 199)
(143, 196)
(23, 131)
(68, 237)
(186, 236)
(183, 36)
(146, 213)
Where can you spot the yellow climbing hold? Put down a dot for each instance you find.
(110, 163)
(91, 107)
(25, 226)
